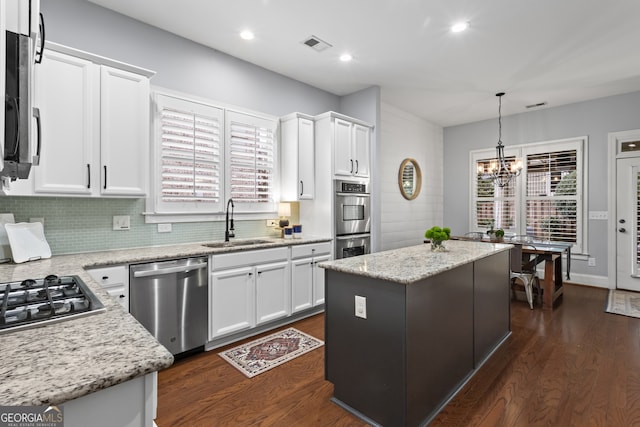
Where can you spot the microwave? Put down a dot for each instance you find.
(18, 110)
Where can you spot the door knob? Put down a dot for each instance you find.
(622, 230)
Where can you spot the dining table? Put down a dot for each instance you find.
(547, 252)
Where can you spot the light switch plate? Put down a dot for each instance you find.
(121, 222)
(361, 307)
(603, 215)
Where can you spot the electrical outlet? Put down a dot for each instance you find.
(591, 262)
(121, 222)
(164, 228)
(361, 307)
(273, 222)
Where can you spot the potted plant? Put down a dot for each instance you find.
(438, 235)
(495, 234)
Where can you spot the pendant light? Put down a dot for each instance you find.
(500, 171)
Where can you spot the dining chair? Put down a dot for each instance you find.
(523, 269)
(474, 235)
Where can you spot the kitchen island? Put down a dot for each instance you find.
(406, 328)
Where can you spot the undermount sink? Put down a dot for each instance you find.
(235, 243)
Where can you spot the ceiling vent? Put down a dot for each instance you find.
(316, 44)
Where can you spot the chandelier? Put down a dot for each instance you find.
(500, 171)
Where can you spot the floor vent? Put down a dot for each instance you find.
(316, 44)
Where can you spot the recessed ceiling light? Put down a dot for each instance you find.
(459, 27)
(247, 35)
(346, 57)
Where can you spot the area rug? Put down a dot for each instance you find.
(626, 303)
(258, 356)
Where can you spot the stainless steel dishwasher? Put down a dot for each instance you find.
(169, 298)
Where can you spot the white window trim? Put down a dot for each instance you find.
(154, 217)
(520, 151)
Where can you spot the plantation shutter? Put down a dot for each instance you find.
(251, 161)
(494, 205)
(191, 169)
(552, 195)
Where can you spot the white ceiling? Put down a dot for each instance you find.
(555, 51)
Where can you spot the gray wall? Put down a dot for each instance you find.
(180, 64)
(595, 119)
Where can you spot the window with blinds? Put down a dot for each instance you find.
(546, 201)
(251, 154)
(190, 151)
(551, 196)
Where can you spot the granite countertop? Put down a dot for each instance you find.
(58, 362)
(414, 263)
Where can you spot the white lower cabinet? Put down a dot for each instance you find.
(247, 289)
(272, 292)
(231, 301)
(307, 279)
(114, 280)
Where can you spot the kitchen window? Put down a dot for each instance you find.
(547, 201)
(251, 149)
(205, 154)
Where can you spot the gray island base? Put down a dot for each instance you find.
(429, 321)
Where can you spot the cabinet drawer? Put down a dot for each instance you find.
(243, 258)
(303, 251)
(110, 276)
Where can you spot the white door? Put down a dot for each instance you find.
(627, 226)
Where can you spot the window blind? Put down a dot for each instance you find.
(546, 201)
(251, 159)
(494, 205)
(551, 196)
(190, 154)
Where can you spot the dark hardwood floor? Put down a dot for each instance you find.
(575, 366)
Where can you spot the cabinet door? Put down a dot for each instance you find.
(114, 280)
(272, 292)
(124, 134)
(306, 159)
(343, 160)
(231, 301)
(361, 146)
(67, 90)
(301, 284)
(318, 280)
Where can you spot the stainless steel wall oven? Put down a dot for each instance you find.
(352, 217)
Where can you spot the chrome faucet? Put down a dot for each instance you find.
(229, 231)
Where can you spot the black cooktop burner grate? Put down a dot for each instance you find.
(33, 302)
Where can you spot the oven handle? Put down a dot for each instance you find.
(354, 236)
(170, 270)
(354, 194)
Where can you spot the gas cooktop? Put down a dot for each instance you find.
(35, 302)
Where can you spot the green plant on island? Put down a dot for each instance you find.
(438, 234)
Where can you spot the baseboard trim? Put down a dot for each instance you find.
(589, 280)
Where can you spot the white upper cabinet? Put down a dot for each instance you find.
(351, 141)
(298, 157)
(94, 127)
(124, 132)
(67, 95)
